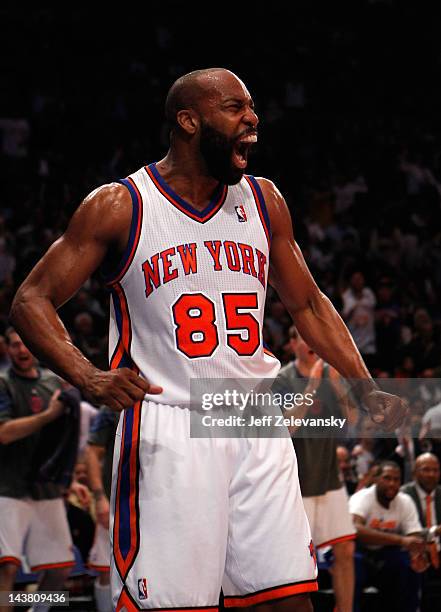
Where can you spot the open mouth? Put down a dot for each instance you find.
(241, 150)
(24, 362)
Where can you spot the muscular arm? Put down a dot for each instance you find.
(101, 223)
(316, 319)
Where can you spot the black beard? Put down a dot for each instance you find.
(217, 150)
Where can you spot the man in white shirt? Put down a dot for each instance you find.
(388, 534)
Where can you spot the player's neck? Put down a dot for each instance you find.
(186, 176)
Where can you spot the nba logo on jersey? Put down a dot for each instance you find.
(142, 588)
(241, 214)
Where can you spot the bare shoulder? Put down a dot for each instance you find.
(106, 212)
(269, 189)
(277, 208)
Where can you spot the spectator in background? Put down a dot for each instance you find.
(5, 362)
(324, 497)
(346, 469)
(99, 455)
(431, 429)
(80, 510)
(387, 323)
(7, 263)
(88, 414)
(87, 340)
(362, 453)
(38, 525)
(359, 313)
(389, 542)
(425, 492)
(424, 347)
(345, 189)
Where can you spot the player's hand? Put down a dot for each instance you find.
(387, 410)
(117, 389)
(55, 408)
(413, 544)
(102, 511)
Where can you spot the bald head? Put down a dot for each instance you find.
(212, 122)
(427, 471)
(426, 458)
(188, 91)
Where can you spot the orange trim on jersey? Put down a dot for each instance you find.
(44, 566)
(124, 563)
(267, 352)
(346, 538)
(187, 212)
(135, 238)
(259, 209)
(124, 327)
(270, 594)
(13, 560)
(126, 332)
(117, 356)
(126, 601)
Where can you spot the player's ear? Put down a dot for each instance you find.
(188, 120)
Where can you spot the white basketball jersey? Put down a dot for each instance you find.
(188, 296)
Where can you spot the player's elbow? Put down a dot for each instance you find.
(20, 307)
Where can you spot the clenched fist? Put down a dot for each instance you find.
(387, 410)
(118, 389)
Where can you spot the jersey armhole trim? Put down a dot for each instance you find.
(112, 277)
(261, 206)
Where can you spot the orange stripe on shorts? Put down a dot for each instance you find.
(270, 594)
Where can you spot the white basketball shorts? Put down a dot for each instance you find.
(329, 518)
(99, 555)
(191, 516)
(36, 529)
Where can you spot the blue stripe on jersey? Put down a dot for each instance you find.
(174, 196)
(109, 275)
(262, 203)
(124, 495)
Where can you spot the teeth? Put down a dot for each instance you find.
(249, 138)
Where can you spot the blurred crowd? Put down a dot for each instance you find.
(359, 166)
(350, 133)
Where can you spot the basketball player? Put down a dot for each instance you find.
(186, 245)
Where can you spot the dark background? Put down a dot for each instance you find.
(347, 94)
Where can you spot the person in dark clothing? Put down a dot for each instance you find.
(426, 494)
(29, 402)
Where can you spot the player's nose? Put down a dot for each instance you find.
(251, 118)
